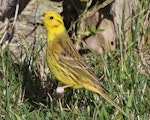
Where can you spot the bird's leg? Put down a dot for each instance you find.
(60, 90)
(59, 93)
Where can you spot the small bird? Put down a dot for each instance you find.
(64, 61)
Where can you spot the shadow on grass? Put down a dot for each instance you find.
(36, 92)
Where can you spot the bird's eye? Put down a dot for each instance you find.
(51, 17)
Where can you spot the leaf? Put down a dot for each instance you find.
(91, 30)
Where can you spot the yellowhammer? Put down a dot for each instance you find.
(65, 62)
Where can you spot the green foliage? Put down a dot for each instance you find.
(91, 30)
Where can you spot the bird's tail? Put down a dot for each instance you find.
(100, 90)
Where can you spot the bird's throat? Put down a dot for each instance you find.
(57, 32)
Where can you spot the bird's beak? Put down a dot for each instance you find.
(41, 17)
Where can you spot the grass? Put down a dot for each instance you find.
(24, 95)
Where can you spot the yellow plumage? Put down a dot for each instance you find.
(65, 62)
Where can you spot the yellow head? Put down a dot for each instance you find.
(52, 20)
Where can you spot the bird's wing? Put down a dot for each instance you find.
(73, 62)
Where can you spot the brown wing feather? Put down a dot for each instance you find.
(71, 58)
